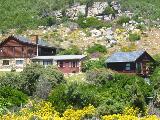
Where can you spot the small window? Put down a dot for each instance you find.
(19, 62)
(128, 66)
(74, 64)
(5, 62)
(60, 64)
(47, 62)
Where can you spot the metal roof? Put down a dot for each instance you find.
(26, 40)
(124, 56)
(60, 57)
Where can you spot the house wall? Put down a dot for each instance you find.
(144, 60)
(12, 64)
(12, 48)
(67, 68)
(120, 67)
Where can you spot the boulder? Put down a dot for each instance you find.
(95, 33)
(97, 8)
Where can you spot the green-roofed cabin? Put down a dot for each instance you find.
(136, 62)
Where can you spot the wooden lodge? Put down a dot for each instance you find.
(16, 51)
(137, 62)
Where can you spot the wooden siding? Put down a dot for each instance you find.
(67, 68)
(120, 67)
(12, 48)
(143, 60)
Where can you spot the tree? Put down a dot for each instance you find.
(33, 75)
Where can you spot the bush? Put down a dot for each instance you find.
(97, 48)
(92, 22)
(109, 10)
(93, 64)
(73, 50)
(123, 19)
(111, 96)
(13, 96)
(134, 37)
(76, 95)
(33, 74)
(11, 79)
(98, 76)
(10, 97)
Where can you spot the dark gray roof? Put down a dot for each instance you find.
(26, 40)
(124, 56)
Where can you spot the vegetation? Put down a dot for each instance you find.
(92, 22)
(123, 19)
(148, 9)
(73, 50)
(97, 48)
(34, 13)
(109, 10)
(34, 74)
(10, 97)
(93, 64)
(108, 93)
(44, 110)
(134, 37)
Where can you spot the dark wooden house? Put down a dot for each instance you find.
(16, 51)
(137, 62)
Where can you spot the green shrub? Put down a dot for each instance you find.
(134, 37)
(11, 79)
(109, 10)
(148, 9)
(97, 48)
(141, 27)
(76, 95)
(123, 19)
(98, 76)
(93, 64)
(34, 73)
(73, 50)
(111, 96)
(13, 96)
(92, 22)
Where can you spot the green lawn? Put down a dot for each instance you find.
(79, 78)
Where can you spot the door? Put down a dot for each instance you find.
(139, 68)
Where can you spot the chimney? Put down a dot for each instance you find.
(34, 39)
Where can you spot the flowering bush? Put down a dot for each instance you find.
(45, 111)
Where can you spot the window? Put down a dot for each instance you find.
(5, 62)
(60, 64)
(74, 64)
(19, 62)
(47, 62)
(128, 66)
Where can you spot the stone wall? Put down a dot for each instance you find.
(12, 64)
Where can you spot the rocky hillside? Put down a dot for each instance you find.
(114, 24)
